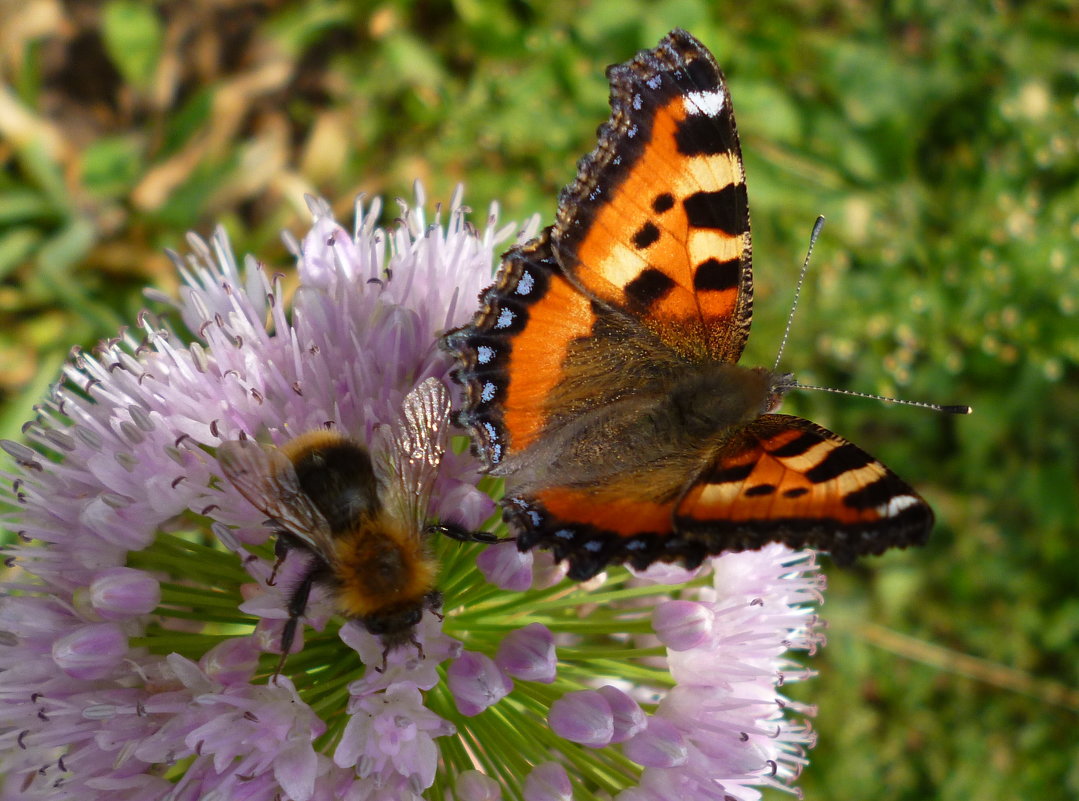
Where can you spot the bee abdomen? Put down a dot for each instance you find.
(380, 569)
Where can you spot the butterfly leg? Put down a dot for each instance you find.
(461, 534)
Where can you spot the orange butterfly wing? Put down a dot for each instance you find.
(785, 478)
(657, 221)
(525, 325)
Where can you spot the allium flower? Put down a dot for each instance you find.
(141, 629)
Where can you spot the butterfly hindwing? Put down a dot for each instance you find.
(777, 479)
(783, 478)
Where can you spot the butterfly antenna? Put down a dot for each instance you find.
(954, 409)
(817, 226)
(792, 384)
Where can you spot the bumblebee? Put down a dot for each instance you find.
(364, 526)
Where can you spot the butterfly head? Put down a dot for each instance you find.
(779, 386)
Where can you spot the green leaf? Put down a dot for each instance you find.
(133, 38)
(111, 165)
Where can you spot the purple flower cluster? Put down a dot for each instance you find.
(140, 628)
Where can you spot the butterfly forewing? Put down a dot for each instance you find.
(526, 325)
(657, 222)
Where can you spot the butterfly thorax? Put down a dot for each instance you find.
(653, 428)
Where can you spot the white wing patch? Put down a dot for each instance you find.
(709, 103)
(896, 505)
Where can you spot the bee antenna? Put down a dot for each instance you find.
(936, 407)
(817, 227)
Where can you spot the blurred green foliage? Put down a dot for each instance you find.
(941, 140)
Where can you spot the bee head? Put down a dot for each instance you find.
(395, 626)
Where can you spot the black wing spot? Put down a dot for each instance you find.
(871, 495)
(651, 286)
(702, 135)
(759, 490)
(663, 202)
(728, 475)
(716, 275)
(797, 446)
(839, 461)
(647, 234)
(725, 210)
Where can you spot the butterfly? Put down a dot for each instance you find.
(601, 376)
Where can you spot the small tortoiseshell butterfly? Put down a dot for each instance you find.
(601, 373)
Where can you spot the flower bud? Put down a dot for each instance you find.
(472, 785)
(476, 683)
(231, 662)
(548, 782)
(681, 625)
(506, 567)
(91, 651)
(629, 718)
(582, 717)
(123, 592)
(659, 746)
(529, 654)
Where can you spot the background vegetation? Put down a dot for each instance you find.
(941, 140)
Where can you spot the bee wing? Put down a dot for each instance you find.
(414, 447)
(266, 477)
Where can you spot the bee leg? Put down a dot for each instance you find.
(280, 550)
(461, 534)
(297, 603)
(433, 602)
(386, 652)
(288, 635)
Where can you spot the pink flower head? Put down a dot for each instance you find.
(140, 651)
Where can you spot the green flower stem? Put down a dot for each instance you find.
(187, 595)
(593, 653)
(180, 557)
(205, 617)
(629, 671)
(189, 644)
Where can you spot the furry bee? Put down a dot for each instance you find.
(364, 524)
